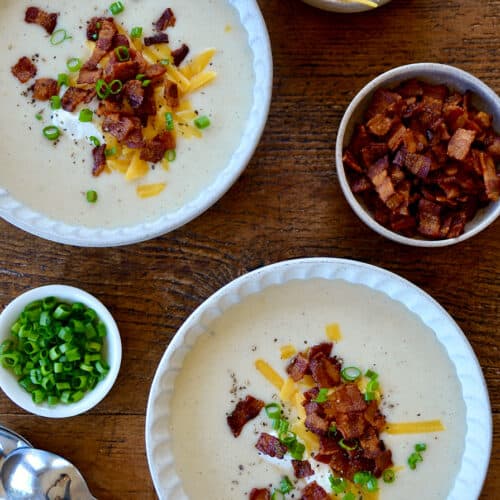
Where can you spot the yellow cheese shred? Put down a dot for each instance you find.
(333, 332)
(287, 351)
(147, 190)
(415, 427)
(288, 390)
(268, 372)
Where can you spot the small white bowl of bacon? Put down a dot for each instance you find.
(418, 155)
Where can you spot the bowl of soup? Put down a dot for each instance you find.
(347, 6)
(232, 359)
(51, 185)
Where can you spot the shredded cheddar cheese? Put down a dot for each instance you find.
(268, 372)
(147, 190)
(287, 351)
(415, 427)
(288, 390)
(333, 332)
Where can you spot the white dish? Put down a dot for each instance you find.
(112, 350)
(185, 205)
(478, 436)
(484, 99)
(343, 6)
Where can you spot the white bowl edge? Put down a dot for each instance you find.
(478, 437)
(40, 225)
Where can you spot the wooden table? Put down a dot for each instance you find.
(287, 204)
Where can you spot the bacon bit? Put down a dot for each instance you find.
(171, 94)
(166, 19)
(120, 70)
(154, 72)
(134, 92)
(107, 31)
(120, 125)
(260, 494)
(323, 347)
(302, 468)
(44, 89)
(244, 411)
(75, 96)
(351, 425)
(460, 143)
(89, 75)
(324, 372)
(374, 417)
(313, 491)
(34, 15)
(316, 424)
(24, 69)
(155, 149)
(99, 160)
(411, 137)
(382, 462)
(120, 40)
(270, 445)
(298, 367)
(155, 39)
(180, 54)
(94, 25)
(134, 139)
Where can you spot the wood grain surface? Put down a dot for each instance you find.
(287, 204)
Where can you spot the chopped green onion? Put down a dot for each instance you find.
(62, 79)
(146, 83)
(122, 53)
(273, 410)
(110, 151)
(370, 396)
(91, 196)
(169, 121)
(136, 32)
(164, 62)
(115, 86)
(351, 373)
(202, 122)
(389, 476)
(349, 496)
(55, 102)
(371, 374)
(95, 141)
(39, 117)
(102, 89)
(420, 447)
(297, 450)
(140, 77)
(49, 352)
(413, 459)
(277, 495)
(371, 484)
(332, 429)
(116, 7)
(373, 385)
(85, 115)
(348, 447)
(51, 132)
(286, 485)
(74, 64)
(322, 396)
(59, 36)
(170, 155)
(338, 484)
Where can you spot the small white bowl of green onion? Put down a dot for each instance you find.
(60, 351)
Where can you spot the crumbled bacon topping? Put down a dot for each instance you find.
(302, 468)
(245, 411)
(99, 156)
(154, 39)
(24, 69)
(313, 491)
(270, 445)
(166, 19)
(424, 160)
(45, 88)
(260, 494)
(44, 19)
(180, 54)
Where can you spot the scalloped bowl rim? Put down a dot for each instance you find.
(113, 347)
(433, 72)
(478, 438)
(40, 225)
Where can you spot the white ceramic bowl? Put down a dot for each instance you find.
(343, 6)
(38, 224)
(477, 440)
(112, 351)
(485, 99)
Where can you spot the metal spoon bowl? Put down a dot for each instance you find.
(28, 473)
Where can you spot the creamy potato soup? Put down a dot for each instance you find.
(52, 178)
(417, 379)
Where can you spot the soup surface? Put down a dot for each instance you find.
(377, 333)
(53, 178)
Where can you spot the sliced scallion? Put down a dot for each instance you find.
(85, 115)
(116, 7)
(202, 122)
(351, 373)
(136, 32)
(51, 132)
(59, 36)
(74, 64)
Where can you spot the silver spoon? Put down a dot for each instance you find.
(28, 473)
